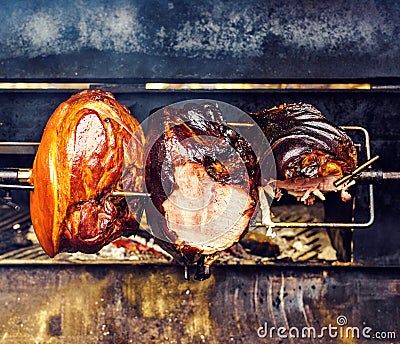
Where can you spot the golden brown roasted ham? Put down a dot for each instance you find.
(91, 146)
(310, 152)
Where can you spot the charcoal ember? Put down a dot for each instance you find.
(259, 244)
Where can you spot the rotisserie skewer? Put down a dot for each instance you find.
(360, 175)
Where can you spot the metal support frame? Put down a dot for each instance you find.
(339, 224)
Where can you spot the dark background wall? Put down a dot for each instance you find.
(199, 40)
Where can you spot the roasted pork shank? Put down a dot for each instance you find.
(91, 146)
(202, 177)
(310, 152)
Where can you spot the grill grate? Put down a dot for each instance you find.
(14, 227)
(19, 243)
(301, 244)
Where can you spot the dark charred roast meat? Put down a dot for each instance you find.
(310, 152)
(88, 143)
(202, 177)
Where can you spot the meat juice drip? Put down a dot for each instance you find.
(202, 177)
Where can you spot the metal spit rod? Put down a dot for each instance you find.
(353, 175)
(130, 194)
(377, 176)
(114, 193)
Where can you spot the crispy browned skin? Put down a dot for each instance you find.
(305, 143)
(310, 152)
(80, 161)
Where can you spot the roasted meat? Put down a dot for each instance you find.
(310, 152)
(91, 146)
(202, 177)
